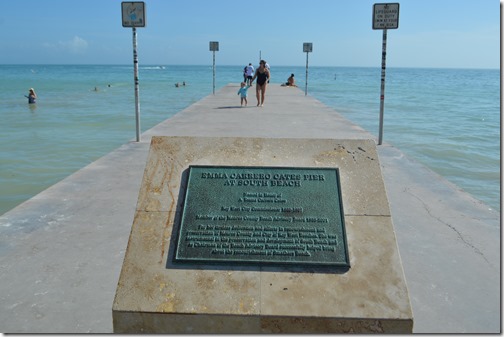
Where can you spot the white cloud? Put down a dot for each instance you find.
(77, 45)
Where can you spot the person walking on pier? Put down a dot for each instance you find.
(243, 93)
(263, 75)
(249, 72)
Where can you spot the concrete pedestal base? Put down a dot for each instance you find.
(156, 296)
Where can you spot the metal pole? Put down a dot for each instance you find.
(214, 72)
(135, 73)
(306, 82)
(382, 90)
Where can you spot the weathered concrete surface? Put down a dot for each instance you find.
(155, 295)
(61, 252)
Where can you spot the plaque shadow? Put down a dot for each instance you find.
(172, 263)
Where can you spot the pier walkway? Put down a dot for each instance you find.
(61, 252)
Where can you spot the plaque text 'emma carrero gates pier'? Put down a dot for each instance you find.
(263, 215)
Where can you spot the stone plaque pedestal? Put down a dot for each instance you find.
(156, 294)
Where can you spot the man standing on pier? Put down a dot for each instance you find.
(249, 72)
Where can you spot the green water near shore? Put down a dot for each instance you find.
(448, 119)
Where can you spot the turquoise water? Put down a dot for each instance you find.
(448, 119)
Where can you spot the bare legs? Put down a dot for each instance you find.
(260, 93)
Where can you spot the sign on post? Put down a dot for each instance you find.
(214, 46)
(386, 16)
(133, 15)
(307, 48)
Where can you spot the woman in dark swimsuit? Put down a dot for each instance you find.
(263, 75)
(32, 96)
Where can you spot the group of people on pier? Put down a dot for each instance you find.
(263, 76)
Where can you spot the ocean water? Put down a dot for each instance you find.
(448, 119)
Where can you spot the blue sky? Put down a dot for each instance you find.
(431, 33)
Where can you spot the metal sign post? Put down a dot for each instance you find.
(385, 16)
(382, 87)
(307, 48)
(137, 89)
(133, 15)
(214, 46)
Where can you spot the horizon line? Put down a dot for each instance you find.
(237, 65)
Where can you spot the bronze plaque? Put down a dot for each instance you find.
(263, 215)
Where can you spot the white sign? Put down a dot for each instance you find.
(386, 16)
(307, 47)
(133, 14)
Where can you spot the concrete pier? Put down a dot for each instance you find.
(61, 252)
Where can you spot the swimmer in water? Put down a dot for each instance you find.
(32, 96)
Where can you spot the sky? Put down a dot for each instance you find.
(431, 33)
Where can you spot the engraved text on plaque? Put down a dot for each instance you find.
(263, 215)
